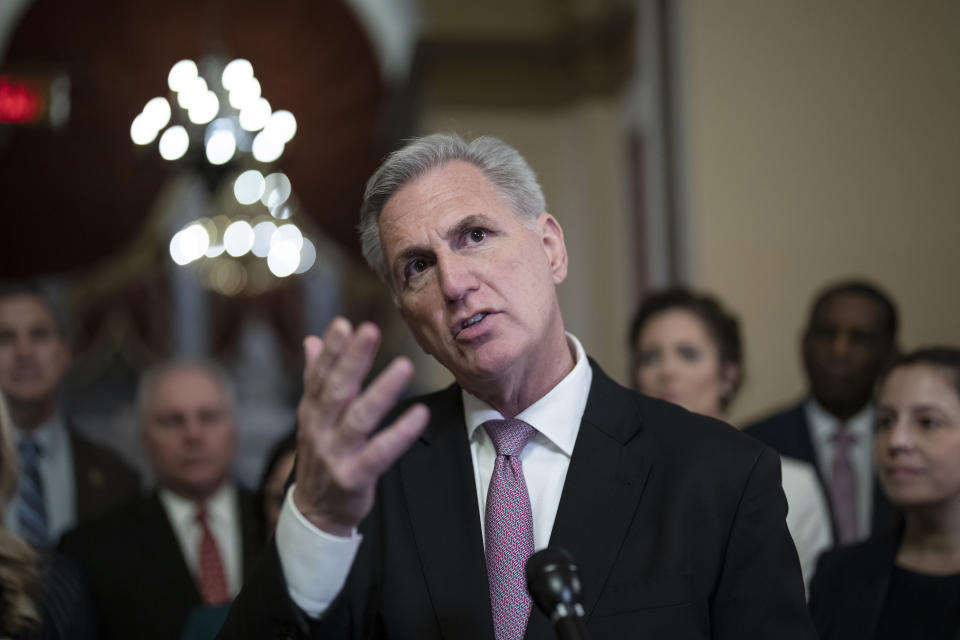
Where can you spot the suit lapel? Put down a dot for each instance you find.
(603, 485)
(251, 530)
(438, 483)
(170, 569)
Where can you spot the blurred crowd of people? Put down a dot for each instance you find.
(870, 470)
(870, 454)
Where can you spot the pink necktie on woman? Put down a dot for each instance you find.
(509, 529)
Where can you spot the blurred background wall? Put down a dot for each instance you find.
(755, 149)
(820, 140)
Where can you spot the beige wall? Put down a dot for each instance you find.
(821, 139)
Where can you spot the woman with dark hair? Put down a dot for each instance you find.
(687, 350)
(41, 597)
(905, 583)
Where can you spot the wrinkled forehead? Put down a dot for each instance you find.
(27, 309)
(187, 386)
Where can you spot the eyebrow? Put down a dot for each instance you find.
(461, 227)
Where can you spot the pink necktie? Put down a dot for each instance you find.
(211, 579)
(509, 528)
(843, 486)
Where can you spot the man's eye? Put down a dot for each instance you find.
(478, 235)
(416, 266)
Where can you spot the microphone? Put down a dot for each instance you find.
(553, 581)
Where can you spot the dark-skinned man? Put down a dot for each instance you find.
(850, 336)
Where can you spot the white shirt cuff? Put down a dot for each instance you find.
(315, 563)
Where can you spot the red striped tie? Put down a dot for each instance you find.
(211, 578)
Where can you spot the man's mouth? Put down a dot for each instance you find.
(471, 321)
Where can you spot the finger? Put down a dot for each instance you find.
(334, 340)
(366, 412)
(345, 377)
(383, 449)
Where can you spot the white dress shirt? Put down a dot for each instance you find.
(823, 426)
(223, 518)
(808, 515)
(56, 473)
(316, 564)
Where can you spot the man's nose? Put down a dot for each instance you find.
(456, 276)
(193, 428)
(840, 345)
(23, 347)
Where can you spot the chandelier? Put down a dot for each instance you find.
(215, 119)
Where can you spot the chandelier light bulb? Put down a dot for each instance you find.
(266, 149)
(284, 257)
(204, 109)
(288, 233)
(248, 187)
(157, 112)
(276, 190)
(308, 256)
(192, 93)
(238, 238)
(235, 73)
(244, 93)
(255, 114)
(262, 238)
(282, 126)
(182, 74)
(142, 131)
(221, 146)
(174, 143)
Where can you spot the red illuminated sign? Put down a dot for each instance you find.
(21, 101)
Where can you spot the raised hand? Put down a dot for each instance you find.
(339, 458)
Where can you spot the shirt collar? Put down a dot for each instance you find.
(556, 415)
(824, 423)
(183, 511)
(50, 435)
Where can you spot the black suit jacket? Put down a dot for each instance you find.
(676, 521)
(850, 587)
(789, 433)
(102, 480)
(139, 582)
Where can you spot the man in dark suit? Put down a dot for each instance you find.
(850, 336)
(421, 529)
(168, 566)
(65, 478)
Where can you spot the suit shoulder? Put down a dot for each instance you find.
(87, 453)
(869, 553)
(681, 428)
(101, 532)
(776, 420)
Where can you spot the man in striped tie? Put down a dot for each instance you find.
(417, 522)
(65, 479)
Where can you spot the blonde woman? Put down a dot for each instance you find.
(41, 598)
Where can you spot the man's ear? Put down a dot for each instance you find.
(551, 236)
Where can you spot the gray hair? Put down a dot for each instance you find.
(503, 165)
(153, 375)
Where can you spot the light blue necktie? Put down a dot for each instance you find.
(32, 513)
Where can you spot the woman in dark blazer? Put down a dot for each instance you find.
(905, 583)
